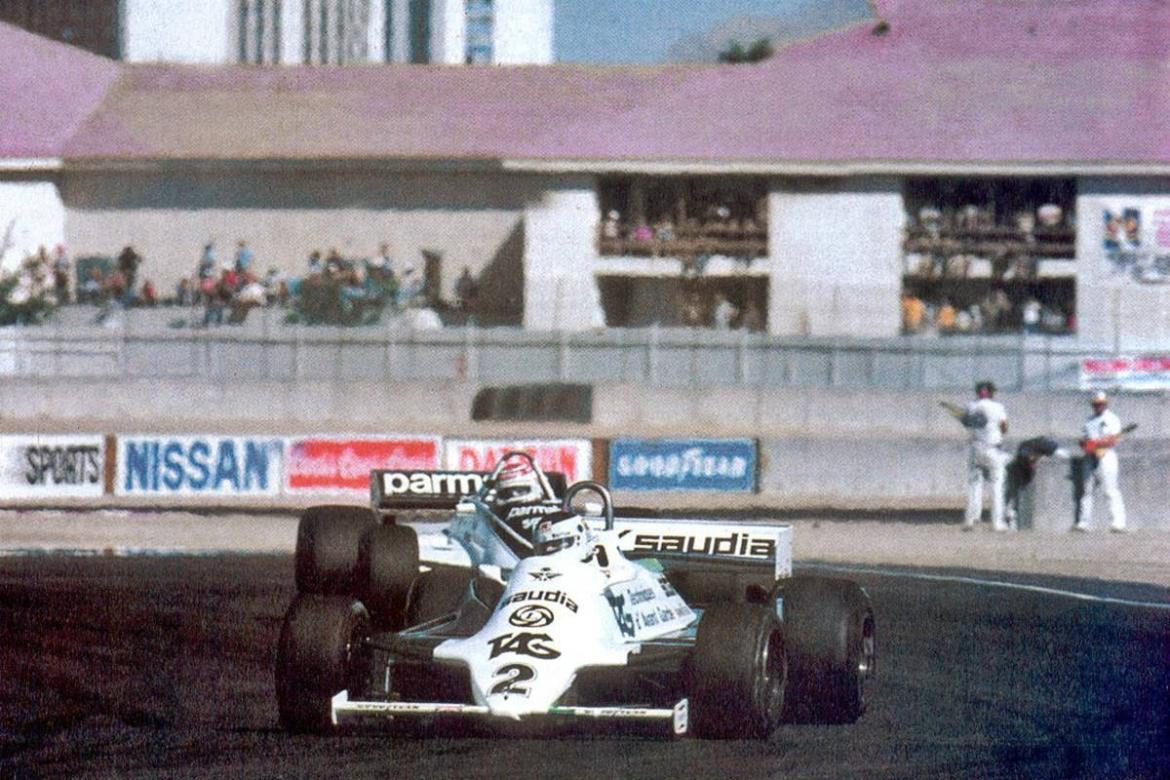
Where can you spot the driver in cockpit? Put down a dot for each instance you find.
(520, 499)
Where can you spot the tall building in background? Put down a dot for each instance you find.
(314, 32)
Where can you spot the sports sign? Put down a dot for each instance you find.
(52, 466)
(724, 465)
(1130, 373)
(344, 463)
(198, 465)
(571, 457)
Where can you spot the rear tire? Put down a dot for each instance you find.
(322, 651)
(387, 566)
(738, 671)
(327, 548)
(832, 649)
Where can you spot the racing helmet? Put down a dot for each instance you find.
(560, 531)
(518, 483)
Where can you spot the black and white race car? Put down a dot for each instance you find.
(560, 611)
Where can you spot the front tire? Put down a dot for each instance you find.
(832, 649)
(322, 651)
(738, 672)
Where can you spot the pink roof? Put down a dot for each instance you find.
(1082, 81)
(46, 91)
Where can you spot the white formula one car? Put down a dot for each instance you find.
(551, 612)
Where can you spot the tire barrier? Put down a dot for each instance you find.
(561, 402)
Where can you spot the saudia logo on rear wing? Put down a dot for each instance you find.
(433, 489)
(770, 544)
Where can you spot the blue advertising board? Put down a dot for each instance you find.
(726, 465)
(198, 465)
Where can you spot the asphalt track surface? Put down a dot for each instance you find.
(162, 667)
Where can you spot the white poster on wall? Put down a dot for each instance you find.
(51, 466)
(1135, 239)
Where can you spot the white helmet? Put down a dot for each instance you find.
(560, 531)
(518, 483)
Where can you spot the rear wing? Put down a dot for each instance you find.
(711, 543)
(397, 489)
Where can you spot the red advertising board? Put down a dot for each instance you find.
(571, 457)
(345, 463)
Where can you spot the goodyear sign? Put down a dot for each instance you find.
(725, 465)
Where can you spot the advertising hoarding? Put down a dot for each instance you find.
(724, 465)
(50, 466)
(198, 465)
(344, 463)
(571, 457)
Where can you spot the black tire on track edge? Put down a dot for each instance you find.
(321, 651)
(832, 651)
(737, 672)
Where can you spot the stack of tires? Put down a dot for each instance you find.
(353, 574)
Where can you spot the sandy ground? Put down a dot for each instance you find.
(1141, 556)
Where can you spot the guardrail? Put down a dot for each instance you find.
(265, 349)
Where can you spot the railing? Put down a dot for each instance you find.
(265, 350)
(687, 242)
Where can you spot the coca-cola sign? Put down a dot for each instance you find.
(345, 463)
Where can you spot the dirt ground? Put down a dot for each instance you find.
(1141, 556)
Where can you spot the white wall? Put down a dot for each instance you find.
(523, 32)
(31, 215)
(1116, 310)
(560, 291)
(448, 32)
(469, 218)
(835, 252)
(196, 31)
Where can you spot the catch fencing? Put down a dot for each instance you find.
(266, 349)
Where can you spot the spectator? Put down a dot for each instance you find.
(207, 262)
(412, 285)
(184, 292)
(664, 230)
(384, 260)
(128, 263)
(221, 295)
(946, 318)
(61, 267)
(93, 287)
(642, 233)
(333, 263)
(148, 296)
(1031, 315)
(315, 264)
(115, 287)
(276, 287)
(610, 226)
(724, 312)
(913, 311)
(244, 257)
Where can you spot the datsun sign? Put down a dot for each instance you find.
(571, 457)
(198, 465)
(343, 463)
(726, 465)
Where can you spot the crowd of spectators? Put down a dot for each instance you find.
(994, 313)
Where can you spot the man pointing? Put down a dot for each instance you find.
(986, 423)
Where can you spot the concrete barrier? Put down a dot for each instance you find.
(1144, 481)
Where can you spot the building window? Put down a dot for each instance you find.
(480, 27)
(420, 31)
(683, 217)
(989, 255)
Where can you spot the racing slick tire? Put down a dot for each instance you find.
(738, 670)
(322, 650)
(327, 548)
(387, 566)
(832, 650)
